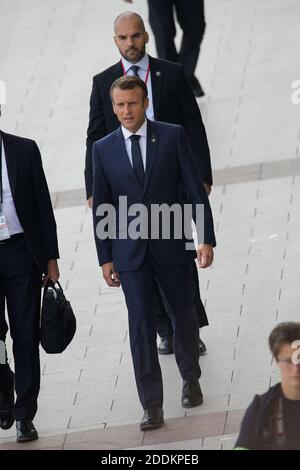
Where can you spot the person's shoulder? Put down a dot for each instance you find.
(166, 126)
(173, 131)
(262, 401)
(107, 140)
(166, 65)
(103, 148)
(254, 418)
(273, 392)
(107, 73)
(18, 140)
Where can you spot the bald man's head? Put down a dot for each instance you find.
(131, 16)
(130, 36)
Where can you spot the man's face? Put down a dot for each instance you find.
(130, 39)
(130, 107)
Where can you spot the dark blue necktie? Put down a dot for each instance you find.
(135, 68)
(137, 159)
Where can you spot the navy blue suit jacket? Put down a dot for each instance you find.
(173, 102)
(169, 165)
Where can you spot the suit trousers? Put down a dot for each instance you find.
(20, 287)
(190, 15)
(139, 289)
(163, 319)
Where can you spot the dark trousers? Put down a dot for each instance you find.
(163, 319)
(139, 290)
(190, 16)
(20, 286)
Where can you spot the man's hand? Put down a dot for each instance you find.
(52, 272)
(207, 188)
(90, 202)
(205, 255)
(110, 275)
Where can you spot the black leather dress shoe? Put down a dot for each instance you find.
(191, 394)
(202, 347)
(153, 418)
(26, 431)
(166, 345)
(6, 421)
(6, 405)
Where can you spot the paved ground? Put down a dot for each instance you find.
(49, 52)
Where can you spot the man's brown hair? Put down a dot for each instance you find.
(129, 82)
(283, 333)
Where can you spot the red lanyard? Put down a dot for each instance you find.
(147, 74)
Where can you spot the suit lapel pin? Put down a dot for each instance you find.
(153, 140)
(157, 73)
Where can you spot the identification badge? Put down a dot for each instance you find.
(4, 233)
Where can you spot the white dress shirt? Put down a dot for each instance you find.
(143, 65)
(8, 206)
(142, 131)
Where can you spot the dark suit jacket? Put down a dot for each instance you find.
(169, 163)
(31, 198)
(173, 102)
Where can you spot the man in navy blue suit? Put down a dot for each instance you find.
(149, 163)
(170, 100)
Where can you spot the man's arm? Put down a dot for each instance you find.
(101, 196)
(96, 130)
(197, 195)
(193, 124)
(45, 211)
